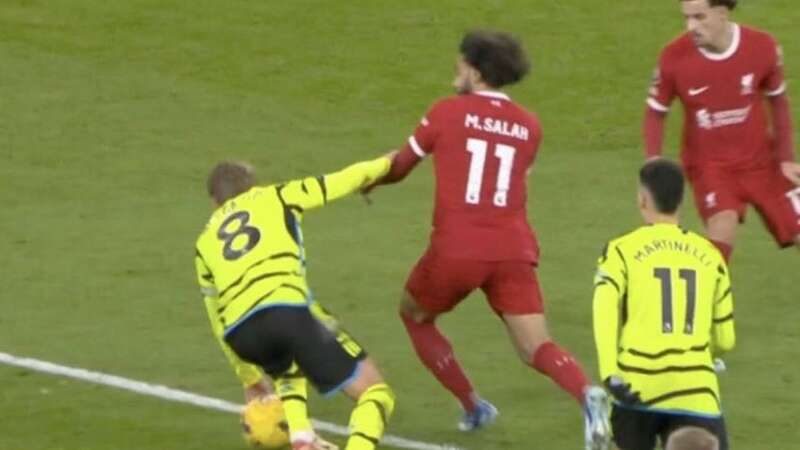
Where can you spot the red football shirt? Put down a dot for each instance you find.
(482, 145)
(725, 124)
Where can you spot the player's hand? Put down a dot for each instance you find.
(719, 366)
(622, 391)
(366, 190)
(791, 170)
(258, 390)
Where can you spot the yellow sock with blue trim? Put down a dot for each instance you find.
(370, 416)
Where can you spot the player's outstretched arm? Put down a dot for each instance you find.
(312, 192)
(403, 162)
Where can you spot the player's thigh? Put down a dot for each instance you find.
(716, 191)
(512, 288)
(329, 364)
(715, 426)
(331, 322)
(634, 429)
(437, 283)
(264, 339)
(777, 201)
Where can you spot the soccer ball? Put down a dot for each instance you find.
(264, 424)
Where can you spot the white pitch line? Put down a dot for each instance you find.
(175, 395)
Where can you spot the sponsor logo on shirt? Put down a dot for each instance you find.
(711, 200)
(747, 84)
(708, 120)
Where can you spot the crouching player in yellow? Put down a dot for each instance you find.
(289, 389)
(250, 263)
(662, 309)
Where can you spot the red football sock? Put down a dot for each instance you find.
(434, 350)
(725, 249)
(561, 367)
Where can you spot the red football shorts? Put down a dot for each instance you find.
(439, 283)
(775, 198)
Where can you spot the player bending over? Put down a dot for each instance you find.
(483, 146)
(291, 388)
(662, 308)
(251, 268)
(722, 72)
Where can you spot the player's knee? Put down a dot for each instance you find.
(410, 310)
(528, 333)
(368, 376)
(692, 438)
(722, 226)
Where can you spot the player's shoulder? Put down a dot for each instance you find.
(623, 242)
(756, 35)
(678, 48)
(446, 104)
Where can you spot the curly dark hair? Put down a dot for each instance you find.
(730, 4)
(498, 57)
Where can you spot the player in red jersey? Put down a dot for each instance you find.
(483, 146)
(722, 72)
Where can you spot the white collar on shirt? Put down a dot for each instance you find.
(493, 94)
(737, 37)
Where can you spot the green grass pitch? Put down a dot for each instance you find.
(111, 113)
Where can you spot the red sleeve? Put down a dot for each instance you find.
(660, 96)
(402, 164)
(662, 88)
(419, 145)
(782, 128)
(653, 131)
(774, 84)
(423, 141)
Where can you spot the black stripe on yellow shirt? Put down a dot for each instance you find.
(269, 294)
(609, 280)
(299, 398)
(261, 277)
(682, 393)
(624, 262)
(323, 188)
(725, 295)
(724, 319)
(669, 351)
(256, 264)
(663, 370)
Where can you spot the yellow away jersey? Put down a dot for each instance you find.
(250, 254)
(662, 307)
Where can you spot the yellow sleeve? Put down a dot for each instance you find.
(312, 192)
(724, 333)
(204, 276)
(247, 373)
(610, 284)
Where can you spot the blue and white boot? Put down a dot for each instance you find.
(484, 414)
(596, 414)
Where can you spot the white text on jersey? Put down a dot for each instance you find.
(496, 126)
